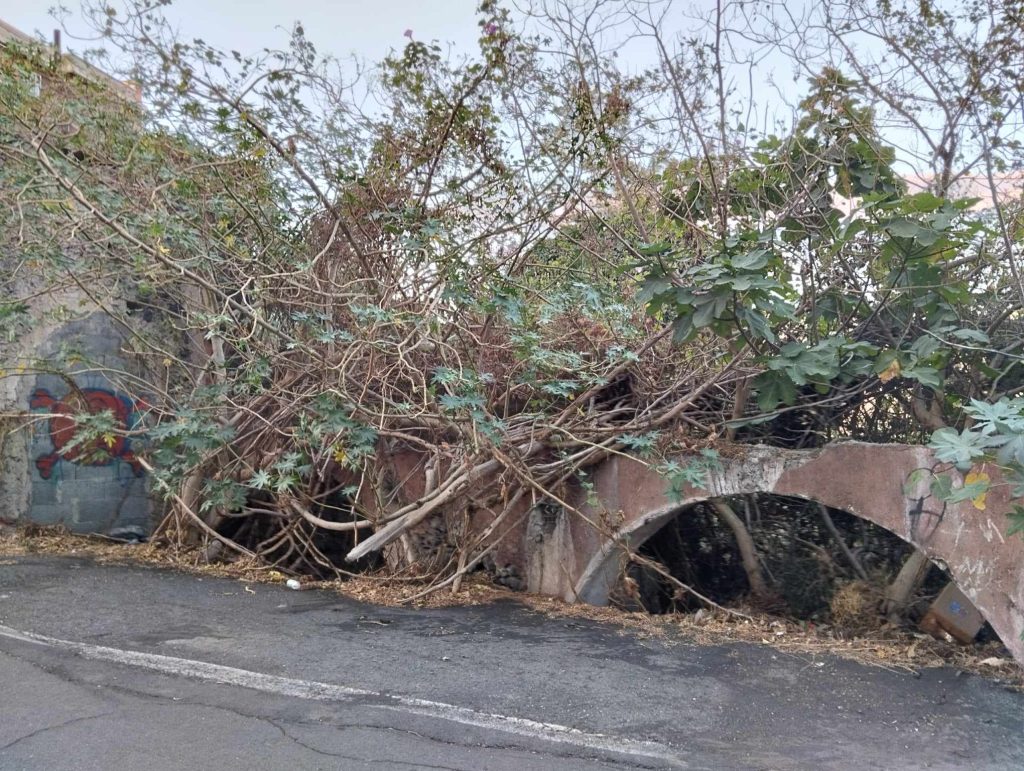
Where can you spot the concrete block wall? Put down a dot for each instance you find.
(83, 496)
(84, 492)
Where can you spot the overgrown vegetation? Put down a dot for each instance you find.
(513, 265)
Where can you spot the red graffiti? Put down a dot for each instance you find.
(63, 428)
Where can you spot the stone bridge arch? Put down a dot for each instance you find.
(575, 560)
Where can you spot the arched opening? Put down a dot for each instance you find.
(814, 564)
(297, 545)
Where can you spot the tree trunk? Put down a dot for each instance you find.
(927, 409)
(739, 406)
(899, 593)
(748, 551)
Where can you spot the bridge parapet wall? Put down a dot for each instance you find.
(629, 502)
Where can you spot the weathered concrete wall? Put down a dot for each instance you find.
(17, 361)
(581, 560)
(83, 490)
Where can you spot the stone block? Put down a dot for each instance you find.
(953, 614)
(50, 515)
(44, 493)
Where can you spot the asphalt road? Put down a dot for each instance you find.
(133, 668)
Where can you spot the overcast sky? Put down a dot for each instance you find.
(368, 28)
(371, 28)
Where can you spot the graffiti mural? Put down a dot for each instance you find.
(62, 428)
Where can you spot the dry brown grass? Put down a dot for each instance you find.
(854, 607)
(857, 637)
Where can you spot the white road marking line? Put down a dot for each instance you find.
(308, 689)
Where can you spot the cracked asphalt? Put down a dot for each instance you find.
(127, 667)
